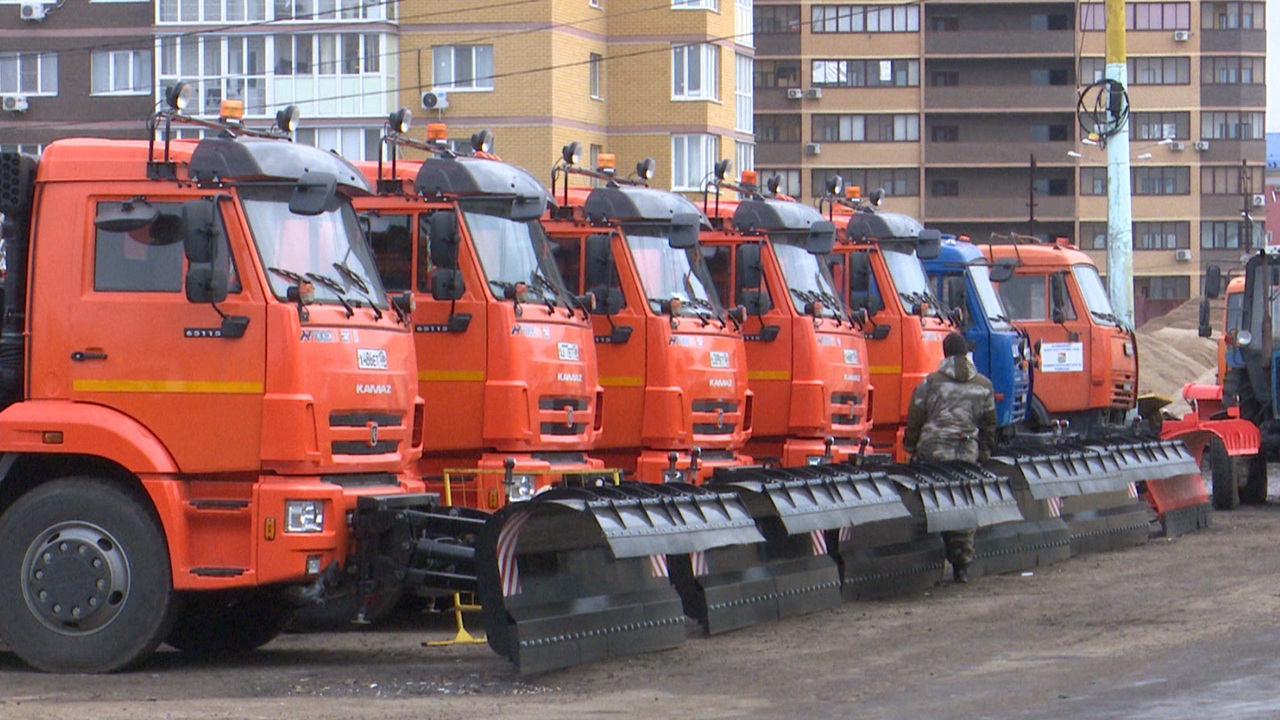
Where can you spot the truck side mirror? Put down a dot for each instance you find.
(1212, 282)
(1057, 297)
(608, 300)
(750, 269)
(1002, 270)
(447, 284)
(684, 231)
(208, 275)
(313, 193)
(755, 301)
(929, 244)
(442, 231)
(1206, 330)
(822, 237)
(599, 261)
(861, 294)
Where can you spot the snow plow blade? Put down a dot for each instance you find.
(1171, 483)
(902, 555)
(1048, 472)
(792, 572)
(578, 575)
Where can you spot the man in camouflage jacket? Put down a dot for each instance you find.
(953, 418)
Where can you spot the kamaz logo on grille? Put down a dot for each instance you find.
(568, 351)
(850, 356)
(369, 359)
(569, 377)
(719, 359)
(372, 389)
(721, 383)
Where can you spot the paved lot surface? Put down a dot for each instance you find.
(1183, 628)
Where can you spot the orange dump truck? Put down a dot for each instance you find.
(200, 411)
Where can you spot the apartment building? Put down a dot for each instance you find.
(965, 112)
(667, 79)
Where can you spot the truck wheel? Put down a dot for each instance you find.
(84, 577)
(1222, 475)
(226, 623)
(1254, 491)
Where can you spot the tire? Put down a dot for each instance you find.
(1254, 491)
(1222, 475)
(84, 577)
(229, 623)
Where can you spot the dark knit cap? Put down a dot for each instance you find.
(955, 344)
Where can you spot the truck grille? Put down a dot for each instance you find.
(723, 412)
(355, 432)
(852, 402)
(564, 415)
(1120, 397)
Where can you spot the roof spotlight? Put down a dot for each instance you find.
(774, 183)
(572, 153)
(722, 168)
(645, 168)
(287, 119)
(482, 141)
(400, 120)
(834, 185)
(178, 95)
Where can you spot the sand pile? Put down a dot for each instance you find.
(1171, 353)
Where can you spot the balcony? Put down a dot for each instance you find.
(1233, 96)
(1232, 151)
(1007, 153)
(1222, 207)
(999, 43)
(787, 154)
(1002, 208)
(780, 44)
(1001, 97)
(1251, 41)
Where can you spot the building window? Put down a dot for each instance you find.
(1160, 125)
(352, 143)
(121, 72)
(1161, 181)
(1139, 16)
(1161, 235)
(866, 73)
(692, 157)
(1232, 70)
(776, 19)
(777, 128)
(1050, 76)
(1054, 187)
(744, 156)
(217, 11)
(695, 72)
(1232, 15)
(866, 18)
(1093, 236)
(1093, 181)
(1231, 126)
(1220, 235)
(1141, 71)
(593, 3)
(898, 182)
(744, 101)
(33, 149)
(463, 67)
(944, 78)
(944, 23)
(866, 128)
(944, 133)
(595, 66)
(1227, 180)
(1041, 132)
(1162, 287)
(696, 5)
(29, 73)
(743, 24)
(944, 188)
(789, 180)
(776, 74)
(326, 10)
(1050, 21)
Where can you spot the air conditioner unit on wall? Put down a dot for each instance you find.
(1177, 146)
(795, 93)
(813, 93)
(33, 10)
(1202, 145)
(14, 103)
(435, 100)
(1181, 35)
(1183, 255)
(813, 149)
(1258, 200)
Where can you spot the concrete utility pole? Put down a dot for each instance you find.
(1119, 206)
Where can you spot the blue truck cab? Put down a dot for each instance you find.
(961, 278)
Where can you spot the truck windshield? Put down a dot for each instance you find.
(1235, 308)
(980, 275)
(667, 273)
(1095, 296)
(808, 280)
(328, 250)
(513, 251)
(909, 279)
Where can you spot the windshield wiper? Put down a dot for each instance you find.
(544, 285)
(1103, 316)
(336, 287)
(352, 277)
(289, 275)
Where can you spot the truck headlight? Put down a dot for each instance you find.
(521, 488)
(814, 459)
(304, 516)
(1244, 338)
(672, 476)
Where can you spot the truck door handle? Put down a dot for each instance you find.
(82, 355)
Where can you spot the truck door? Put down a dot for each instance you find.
(137, 345)
(1060, 378)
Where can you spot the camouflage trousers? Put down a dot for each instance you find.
(959, 544)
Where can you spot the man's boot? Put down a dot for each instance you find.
(960, 573)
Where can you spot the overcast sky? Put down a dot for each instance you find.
(1273, 66)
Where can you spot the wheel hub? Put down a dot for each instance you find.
(75, 578)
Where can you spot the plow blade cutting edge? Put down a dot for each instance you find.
(798, 510)
(1173, 485)
(581, 574)
(957, 496)
(1048, 474)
